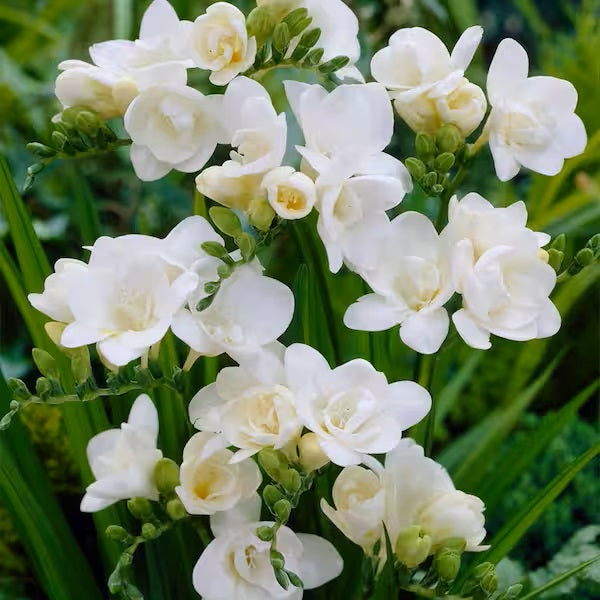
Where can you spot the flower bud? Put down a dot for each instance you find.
(282, 509)
(18, 388)
(212, 287)
(277, 559)
(555, 258)
(260, 24)
(429, 180)
(43, 387)
(264, 533)
(260, 214)
(559, 242)
(176, 510)
(483, 569)
(41, 149)
(425, 145)
(125, 559)
(140, 508)
(449, 138)
(335, 64)
(149, 531)
(415, 167)
(271, 495)
(412, 546)
(294, 579)
(214, 249)
(282, 578)
(115, 582)
(166, 476)
(296, 21)
(226, 220)
(45, 363)
(273, 462)
(281, 40)
(247, 246)
(437, 189)
(5, 421)
(594, 245)
(224, 271)
(291, 481)
(444, 162)
(312, 456)
(314, 57)
(489, 583)
(585, 257)
(447, 562)
(511, 593)
(307, 41)
(14, 405)
(117, 533)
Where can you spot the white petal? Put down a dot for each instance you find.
(338, 454)
(425, 332)
(549, 321)
(465, 48)
(190, 331)
(416, 236)
(409, 402)
(320, 561)
(227, 521)
(143, 415)
(212, 576)
(505, 163)
(304, 364)
(159, 19)
(147, 167)
(571, 136)
(472, 333)
(118, 353)
(183, 244)
(508, 68)
(76, 335)
(205, 409)
(91, 503)
(371, 313)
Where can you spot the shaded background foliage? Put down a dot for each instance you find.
(563, 39)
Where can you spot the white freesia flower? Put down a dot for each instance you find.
(411, 281)
(126, 297)
(252, 126)
(220, 43)
(172, 127)
(345, 133)
(427, 83)
(209, 482)
(420, 492)
(501, 272)
(252, 409)
(123, 460)
(532, 123)
(359, 499)
(352, 409)
(292, 195)
(248, 313)
(338, 25)
(237, 564)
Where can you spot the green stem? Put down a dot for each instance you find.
(424, 373)
(442, 217)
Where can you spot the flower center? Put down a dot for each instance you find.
(290, 197)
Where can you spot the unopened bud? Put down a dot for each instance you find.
(282, 509)
(5, 421)
(45, 363)
(429, 180)
(273, 462)
(425, 145)
(277, 559)
(314, 57)
(312, 456)
(555, 259)
(88, 122)
(140, 508)
(260, 24)
(224, 271)
(281, 40)
(271, 495)
(297, 21)
(307, 41)
(261, 214)
(282, 578)
(117, 533)
(585, 257)
(265, 534)
(166, 476)
(149, 531)
(489, 583)
(58, 139)
(335, 64)
(412, 546)
(212, 287)
(295, 579)
(444, 162)
(226, 220)
(43, 387)
(449, 138)
(291, 481)
(214, 249)
(18, 388)
(447, 562)
(594, 245)
(41, 149)
(559, 242)
(14, 405)
(415, 167)
(511, 593)
(176, 509)
(483, 569)
(437, 189)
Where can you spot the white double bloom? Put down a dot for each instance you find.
(411, 490)
(237, 564)
(345, 132)
(532, 123)
(123, 460)
(427, 83)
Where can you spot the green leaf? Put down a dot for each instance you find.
(560, 578)
(522, 455)
(85, 214)
(514, 529)
(385, 587)
(499, 424)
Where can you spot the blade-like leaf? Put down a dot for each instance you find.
(85, 214)
(560, 578)
(522, 455)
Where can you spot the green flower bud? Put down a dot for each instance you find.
(273, 462)
(449, 138)
(425, 145)
(176, 509)
(45, 363)
(483, 569)
(555, 258)
(447, 563)
(14, 405)
(247, 246)
(117, 533)
(512, 592)
(166, 476)
(140, 508)
(559, 242)
(149, 531)
(454, 543)
(282, 578)
(115, 582)
(88, 122)
(125, 559)
(264, 533)
(277, 559)
(58, 139)
(412, 546)
(204, 303)
(294, 579)
(5, 421)
(594, 245)
(226, 220)
(415, 167)
(307, 41)
(489, 583)
(294, 20)
(280, 40)
(444, 162)
(212, 287)
(291, 481)
(131, 592)
(271, 495)
(43, 387)
(35, 168)
(18, 388)
(260, 214)
(28, 183)
(335, 64)
(214, 249)
(429, 180)
(224, 271)
(585, 257)
(437, 189)
(41, 149)
(282, 509)
(260, 24)
(314, 57)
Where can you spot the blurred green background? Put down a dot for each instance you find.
(562, 38)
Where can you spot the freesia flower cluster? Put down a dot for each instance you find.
(282, 416)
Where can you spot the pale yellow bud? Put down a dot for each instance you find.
(311, 455)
